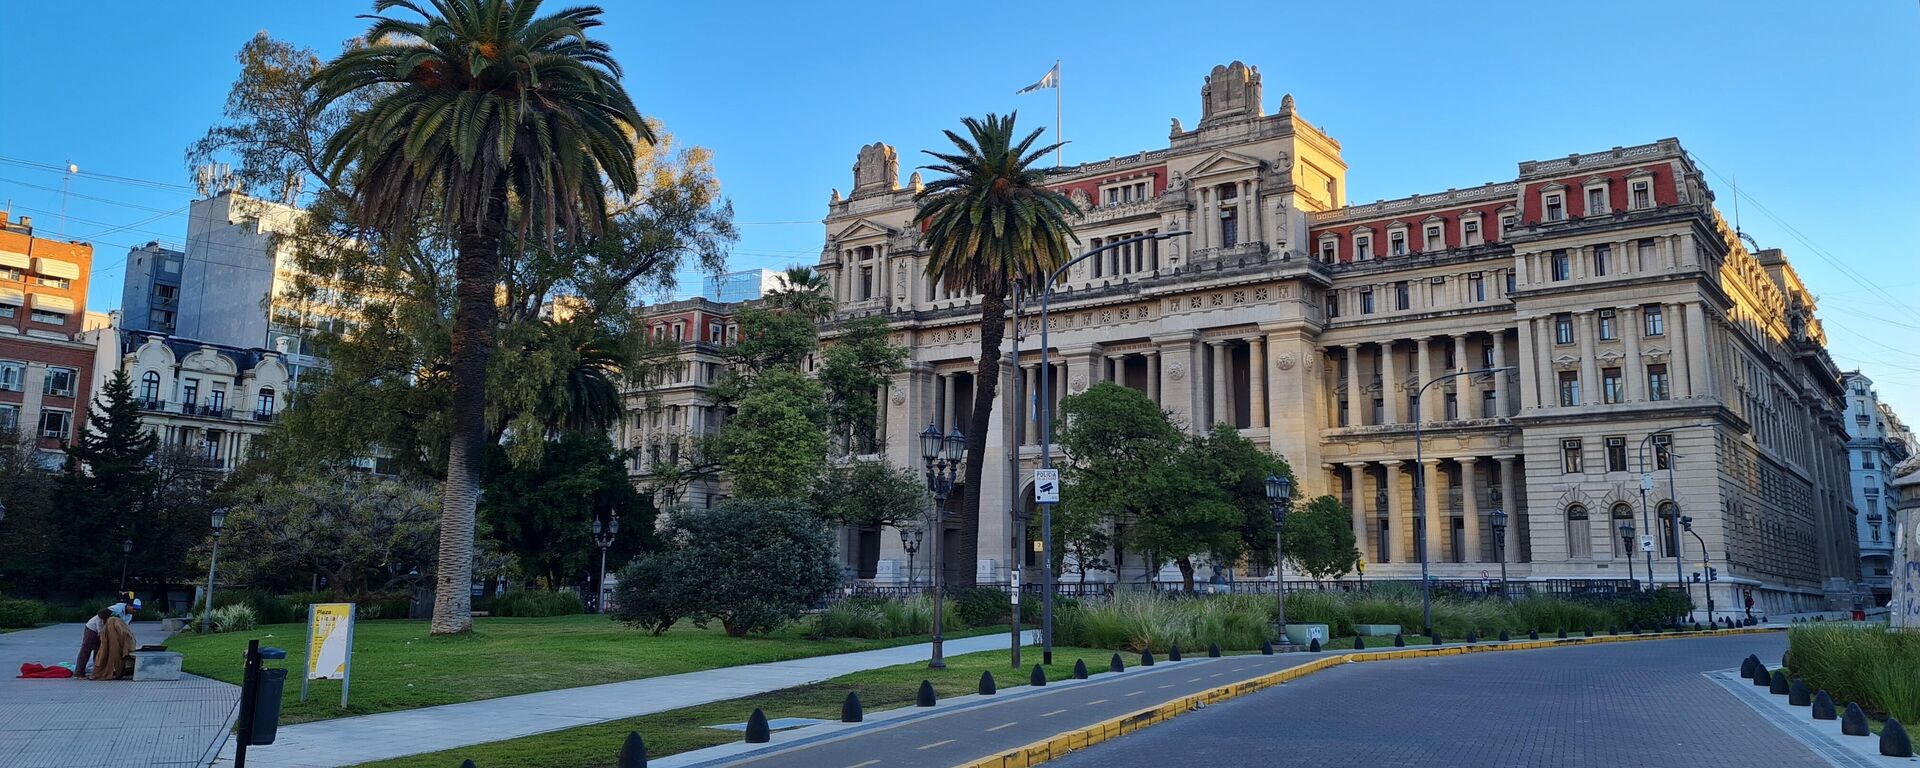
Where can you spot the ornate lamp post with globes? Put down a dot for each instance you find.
(910, 538)
(943, 457)
(603, 534)
(1280, 497)
(1626, 541)
(219, 521)
(1498, 519)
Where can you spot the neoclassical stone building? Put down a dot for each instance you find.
(1635, 330)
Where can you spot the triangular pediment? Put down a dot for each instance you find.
(1611, 355)
(861, 228)
(1222, 161)
(1566, 360)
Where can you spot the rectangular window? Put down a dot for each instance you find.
(1642, 194)
(1570, 457)
(1486, 355)
(9, 417)
(1569, 388)
(1562, 266)
(10, 273)
(9, 311)
(1556, 210)
(1229, 227)
(1616, 454)
(50, 318)
(715, 333)
(1596, 201)
(190, 392)
(1476, 287)
(1333, 304)
(1326, 255)
(1611, 385)
(217, 399)
(1602, 255)
(1362, 248)
(1662, 451)
(1658, 387)
(1507, 223)
(1452, 406)
(60, 283)
(1470, 233)
(1398, 243)
(1607, 330)
(1512, 283)
(1366, 301)
(1642, 255)
(1489, 405)
(55, 423)
(61, 381)
(1563, 328)
(1379, 411)
(1435, 242)
(1402, 299)
(1655, 324)
(13, 375)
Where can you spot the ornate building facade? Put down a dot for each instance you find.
(1635, 338)
(1877, 441)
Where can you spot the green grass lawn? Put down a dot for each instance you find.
(681, 730)
(398, 665)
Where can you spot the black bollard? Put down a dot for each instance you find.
(757, 730)
(1399, 640)
(467, 764)
(1504, 637)
(1696, 626)
(1563, 634)
(925, 697)
(1213, 650)
(1173, 654)
(850, 710)
(1039, 676)
(1778, 685)
(1612, 630)
(1359, 644)
(1854, 722)
(1116, 665)
(1314, 647)
(1798, 694)
(1761, 675)
(1146, 658)
(1079, 669)
(1746, 666)
(1472, 637)
(633, 753)
(987, 686)
(1894, 741)
(1823, 705)
(1266, 647)
(1434, 635)
(1533, 634)
(1588, 631)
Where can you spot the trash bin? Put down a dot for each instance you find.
(266, 705)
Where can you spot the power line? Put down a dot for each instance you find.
(62, 169)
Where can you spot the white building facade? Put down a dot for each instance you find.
(1876, 443)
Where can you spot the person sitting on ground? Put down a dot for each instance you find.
(114, 659)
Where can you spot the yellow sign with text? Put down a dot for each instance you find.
(329, 640)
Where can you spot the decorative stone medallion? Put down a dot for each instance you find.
(1284, 360)
(898, 397)
(1078, 385)
(1177, 370)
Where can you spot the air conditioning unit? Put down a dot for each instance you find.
(1436, 280)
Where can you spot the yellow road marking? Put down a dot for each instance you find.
(936, 744)
(1000, 726)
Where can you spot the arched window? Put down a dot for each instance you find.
(150, 389)
(1579, 533)
(1666, 523)
(264, 408)
(1622, 513)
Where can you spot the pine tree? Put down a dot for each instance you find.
(106, 489)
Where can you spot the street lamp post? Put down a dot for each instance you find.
(219, 522)
(1419, 489)
(1673, 522)
(943, 457)
(603, 537)
(1280, 497)
(910, 538)
(1626, 543)
(1706, 564)
(126, 554)
(1046, 428)
(1646, 484)
(1498, 519)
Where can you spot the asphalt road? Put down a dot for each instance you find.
(1624, 704)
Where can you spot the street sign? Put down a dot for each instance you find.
(1046, 486)
(1016, 586)
(1646, 543)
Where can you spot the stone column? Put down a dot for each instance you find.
(1355, 417)
(1389, 373)
(1500, 379)
(1400, 530)
(1116, 365)
(1218, 412)
(1432, 396)
(1529, 374)
(1357, 479)
(1153, 375)
(1429, 470)
(1511, 504)
(1680, 359)
(1030, 405)
(1699, 361)
(947, 385)
(1470, 507)
(1181, 390)
(1549, 383)
(1589, 363)
(1636, 370)
(1256, 383)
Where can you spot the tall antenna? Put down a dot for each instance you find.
(66, 181)
(1734, 181)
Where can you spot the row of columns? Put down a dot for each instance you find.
(1219, 379)
(1384, 500)
(1432, 406)
(1624, 257)
(1684, 330)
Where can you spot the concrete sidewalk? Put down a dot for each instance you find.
(353, 740)
(57, 723)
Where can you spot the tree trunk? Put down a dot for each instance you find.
(986, 386)
(1186, 573)
(476, 272)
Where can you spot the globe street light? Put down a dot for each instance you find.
(910, 538)
(603, 536)
(1498, 519)
(1626, 541)
(943, 457)
(1420, 485)
(1279, 497)
(219, 522)
(126, 553)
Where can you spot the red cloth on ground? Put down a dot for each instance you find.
(31, 669)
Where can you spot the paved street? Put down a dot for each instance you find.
(1626, 704)
(58, 723)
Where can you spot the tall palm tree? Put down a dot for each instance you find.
(803, 291)
(480, 105)
(988, 221)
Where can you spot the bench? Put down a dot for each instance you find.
(156, 665)
(1376, 630)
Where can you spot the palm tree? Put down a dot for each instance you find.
(804, 292)
(480, 105)
(990, 220)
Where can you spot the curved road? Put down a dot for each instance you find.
(1624, 704)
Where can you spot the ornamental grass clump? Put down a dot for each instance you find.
(1871, 665)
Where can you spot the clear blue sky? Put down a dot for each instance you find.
(1812, 107)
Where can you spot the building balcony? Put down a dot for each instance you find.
(1427, 426)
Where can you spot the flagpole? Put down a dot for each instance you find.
(1058, 137)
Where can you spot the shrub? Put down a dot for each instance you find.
(387, 607)
(1552, 615)
(239, 617)
(983, 606)
(1871, 665)
(16, 613)
(267, 607)
(878, 619)
(751, 564)
(1136, 622)
(648, 596)
(531, 603)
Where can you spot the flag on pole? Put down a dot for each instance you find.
(1052, 80)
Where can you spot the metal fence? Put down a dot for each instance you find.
(1468, 588)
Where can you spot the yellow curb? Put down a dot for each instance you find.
(1080, 738)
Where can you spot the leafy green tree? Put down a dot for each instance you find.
(989, 220)
(650, 595)
(870, 494)
(854, 370)
(751, 564)
(1239, 468)
(771, 340)
(803, 292)
(776, 442)
(367, 534)
(1116, 442)
(542, 513)
(1319, 539)
(34, 528)
(107, 488)
(479, 110)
